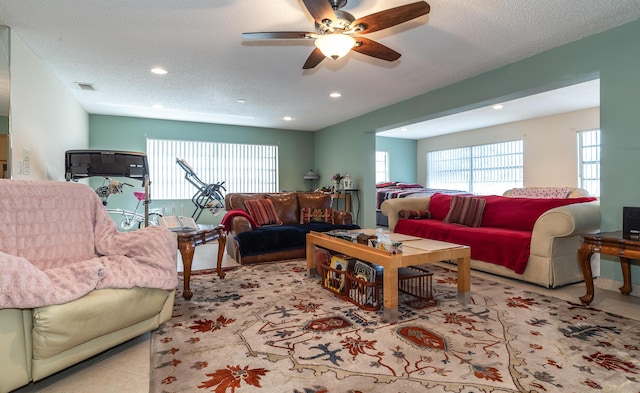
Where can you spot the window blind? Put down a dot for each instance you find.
(243, 167)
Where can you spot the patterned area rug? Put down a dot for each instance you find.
(269, 328)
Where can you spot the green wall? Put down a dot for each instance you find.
(402, 158)
(613, 56)
(129, 134)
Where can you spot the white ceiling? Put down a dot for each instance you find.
(567, 99)
(112, 44)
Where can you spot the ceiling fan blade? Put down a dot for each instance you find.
(320, 10)
(313, 60)
(393, 16)
(375, 49)
(277, 35)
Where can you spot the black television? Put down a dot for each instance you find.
(81, 164)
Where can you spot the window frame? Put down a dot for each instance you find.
(468, 163)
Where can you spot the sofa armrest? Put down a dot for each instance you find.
(342, 217)
(565, 221)
(239, 224)
(391, 207)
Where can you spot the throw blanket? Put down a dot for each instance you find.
(58, 243)
(226, 220)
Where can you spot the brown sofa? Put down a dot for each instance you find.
(248, 244)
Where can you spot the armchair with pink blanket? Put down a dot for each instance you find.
(71, 285)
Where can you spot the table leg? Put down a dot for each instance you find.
(584, 259)
(222, 242)
(311, 259)
(187, 250)
(464, 279)
(626, 287)
(390, 294)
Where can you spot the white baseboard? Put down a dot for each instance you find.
(614, 285)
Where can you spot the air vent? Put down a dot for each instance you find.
(85, 86)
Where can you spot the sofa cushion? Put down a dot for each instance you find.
(501, 246)
(316, 200)
(541, 192)
(466, 211)
(520, 213)
(414, 214)
(237, 200)
(309, 215)
(60, 327)
(505, 212)
(263, 211)
(439, 205)
(280, 238)
(286, 204)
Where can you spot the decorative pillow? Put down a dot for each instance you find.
(263, 211)
(309, 215)
(466, 211)
(385, 184)
(541, 192)
(414, 214)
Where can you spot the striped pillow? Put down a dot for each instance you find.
(263, 211)
(466, 211)
(414, 214)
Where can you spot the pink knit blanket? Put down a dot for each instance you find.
(57, 243)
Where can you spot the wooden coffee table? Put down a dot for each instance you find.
(415, 251)
(188, 240)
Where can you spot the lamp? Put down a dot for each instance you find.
(335, 45)
(311, 176)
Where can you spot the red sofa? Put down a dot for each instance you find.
(532, 239)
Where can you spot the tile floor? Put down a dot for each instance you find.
(125, 369)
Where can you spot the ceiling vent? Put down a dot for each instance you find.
(85, 86)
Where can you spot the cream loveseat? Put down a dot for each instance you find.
(545, 240)
(71, 285)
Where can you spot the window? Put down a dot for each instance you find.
(243, 168)
(382, 166)
(589, 161)
(482, 169)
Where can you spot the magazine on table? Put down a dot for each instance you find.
(178, 223)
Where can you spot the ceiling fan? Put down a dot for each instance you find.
(337, 31)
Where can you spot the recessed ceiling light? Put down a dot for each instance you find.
(241, 100)
(335, 94)
(287, 118)
(159, 71)
(498, 106)
(157, 106)
(404, 129)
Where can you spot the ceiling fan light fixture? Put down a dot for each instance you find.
(335, 45)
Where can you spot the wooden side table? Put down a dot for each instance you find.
(187, 243)
(608, 243)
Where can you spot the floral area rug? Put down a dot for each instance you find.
(270, 328)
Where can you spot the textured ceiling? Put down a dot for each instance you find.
(113, 44)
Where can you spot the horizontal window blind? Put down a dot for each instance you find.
(243, 167)
(482, 169)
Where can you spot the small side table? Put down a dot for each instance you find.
(608, 243)
(187, 243)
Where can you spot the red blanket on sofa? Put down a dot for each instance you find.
(504, 235)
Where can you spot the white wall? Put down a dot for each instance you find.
(45, 118)
(550, 146)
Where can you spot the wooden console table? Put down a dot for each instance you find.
(188, 241)
(608, 243)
